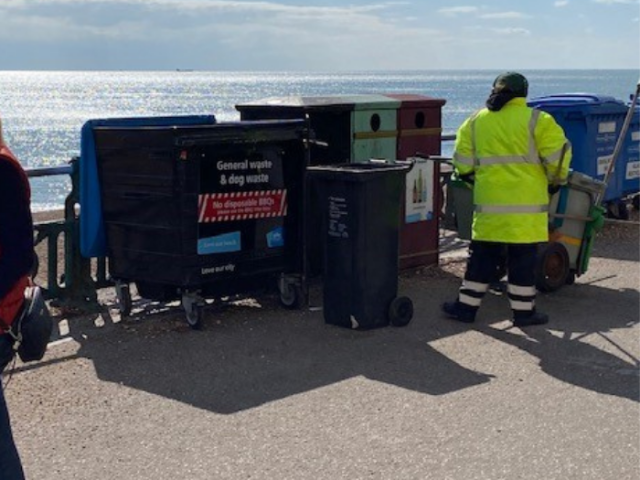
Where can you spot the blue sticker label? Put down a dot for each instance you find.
(275, 238)
(229, 242)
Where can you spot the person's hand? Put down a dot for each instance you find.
(553, 189)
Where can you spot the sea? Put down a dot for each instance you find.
(43, 111)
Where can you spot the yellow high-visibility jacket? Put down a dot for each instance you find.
(514, 154)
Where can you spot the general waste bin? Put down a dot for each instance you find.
(592, 123)
(360, 206)
(204, 211)
(420, 131)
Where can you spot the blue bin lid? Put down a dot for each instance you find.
(583, 102)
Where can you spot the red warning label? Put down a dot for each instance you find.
(228, 207)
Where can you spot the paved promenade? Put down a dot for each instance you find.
(266, 393)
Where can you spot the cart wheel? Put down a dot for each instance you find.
(400, 311)
(123, 294)
(291, 295)
(552, 268)
(194, 317)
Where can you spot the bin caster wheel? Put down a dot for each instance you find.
(194, 318)
(400, 311)
(123, 294)
(552, 268)
(571, 278)
(291, 295)
(635, 201)
(193, 306)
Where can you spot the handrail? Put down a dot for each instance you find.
(49, 171)
(76, 286)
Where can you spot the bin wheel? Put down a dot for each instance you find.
(571, 278)
(291, 295)
(400, 311)
(552, 267)
(194, 317)
(123, 294)
(635, 201)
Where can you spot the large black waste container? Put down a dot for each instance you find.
(360, 205)
(204, 211)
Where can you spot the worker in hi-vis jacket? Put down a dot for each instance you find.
(517, 157)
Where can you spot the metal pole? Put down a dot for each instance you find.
(48, 171)
(620, 142)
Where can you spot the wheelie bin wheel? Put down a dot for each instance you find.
(552, 268)
(635, 201)
(400, 311)
(291, 294)
(123, 294)
(571, 278)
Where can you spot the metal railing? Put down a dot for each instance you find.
(81, 277)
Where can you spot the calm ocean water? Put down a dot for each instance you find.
(43, 112)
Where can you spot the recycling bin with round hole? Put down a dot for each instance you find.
(420, 132)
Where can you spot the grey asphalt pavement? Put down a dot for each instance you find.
(268, 393)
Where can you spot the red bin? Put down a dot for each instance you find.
(420, 131)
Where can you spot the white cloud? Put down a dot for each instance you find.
(561, 3)
(511, 31)
(457, 10)
(504, 16)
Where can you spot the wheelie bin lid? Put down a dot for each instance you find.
(585, 103)
(357, 172)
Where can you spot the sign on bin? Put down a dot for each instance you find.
(241, 204)
(419, 192)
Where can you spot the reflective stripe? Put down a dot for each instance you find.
(462, 159)
(520, 290)
(475, 286)
(507, 159)
(511, 208)
(467, 300)
(533, 148)
(555, 156)
(522, 306)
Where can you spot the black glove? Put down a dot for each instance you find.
(553, 189)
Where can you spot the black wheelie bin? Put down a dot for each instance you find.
(360, 205)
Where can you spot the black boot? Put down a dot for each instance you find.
(459, 312)
(530, 319)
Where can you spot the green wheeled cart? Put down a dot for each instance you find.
(575, 217)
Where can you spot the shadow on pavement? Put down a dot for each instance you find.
(251, 356)
(579, 313)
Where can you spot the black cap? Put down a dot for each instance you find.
(511, 82)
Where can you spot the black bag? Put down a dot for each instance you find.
(32, 329)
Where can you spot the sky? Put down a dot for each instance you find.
(318, 35)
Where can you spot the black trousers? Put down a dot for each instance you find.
(486, 260)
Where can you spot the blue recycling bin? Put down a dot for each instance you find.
(629, 170)
(592, 123)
